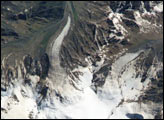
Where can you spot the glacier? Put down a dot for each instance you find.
(83, 103)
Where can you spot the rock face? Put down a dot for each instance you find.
(100, 76)
(28, 63)
(35, 67)
(118, 25)
(29, 66)
(45, 63)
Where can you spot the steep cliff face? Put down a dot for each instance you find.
(28, 66)
(105, 62)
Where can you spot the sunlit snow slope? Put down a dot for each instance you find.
(116, 99)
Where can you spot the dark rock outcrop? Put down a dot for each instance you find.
(131, 24)
(45, 63)
(44, 91)
(37, 67)
(100, 76)
(8, 32)
(28, 63)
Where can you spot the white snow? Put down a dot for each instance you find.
(116, 18)
(132, 108)
(116, 37)
(124, 60)
(26, 10)
(21, 108)
(90, 106)
(144, 24)
(8, 9)
(84, 103)
(85, 78)
(119, 86)
(104, 103)
(159, 7)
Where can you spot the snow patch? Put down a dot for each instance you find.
(116, 18)
(159, 7)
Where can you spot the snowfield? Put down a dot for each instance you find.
(83, 103)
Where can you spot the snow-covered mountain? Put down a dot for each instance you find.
(107, 63)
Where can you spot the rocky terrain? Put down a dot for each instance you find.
(93, 59)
